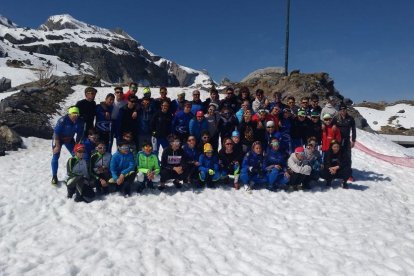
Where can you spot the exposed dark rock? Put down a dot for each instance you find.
(14, 63)
(24, 40)
(5, 84)
(98, 40)
(401, 111)
(9, 139)
(54, 37)
(28, 111)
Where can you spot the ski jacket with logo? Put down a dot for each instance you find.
(65, 129)
(122, 164)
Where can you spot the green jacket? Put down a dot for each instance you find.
(146, 163)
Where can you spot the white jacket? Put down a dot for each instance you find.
(298, 166)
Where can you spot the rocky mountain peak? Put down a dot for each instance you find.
(7, 22)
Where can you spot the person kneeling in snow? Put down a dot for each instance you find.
(100, 161)
(209, 168)
(253, 170)
(277, 175)
(148, 168)
(336, 165)
(78, 172)
(230, 162)
(122, 169)
(300, 172)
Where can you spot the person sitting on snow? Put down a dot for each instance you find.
(253, 171)
(277, 175)
(299, 171)
(100, 162)
(313, 158)
(78, 172)
(230, 162)
(148, 168)
(122, 169)
(336, 165)
(209, 167)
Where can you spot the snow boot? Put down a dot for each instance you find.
(177, 184)
(345, 185)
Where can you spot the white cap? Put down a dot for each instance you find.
(270, 124)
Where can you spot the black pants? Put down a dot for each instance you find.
(83, 188)
(298, 178)
(125, 187)
(170, 174)
(343, 173)
(110, 188)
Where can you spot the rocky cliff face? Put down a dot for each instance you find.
(111, 55)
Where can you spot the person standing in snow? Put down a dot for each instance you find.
(198, 125)
(346, 125)
(161, 125)
(87, 107)
(79, 181)
(119, 102)
(104, 120)
(65, 130)
(329, 108)
(329, 132)
(181, 122)
(196, 103)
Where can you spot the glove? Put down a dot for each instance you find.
(210, 172)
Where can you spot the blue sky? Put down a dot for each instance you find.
(366, 46)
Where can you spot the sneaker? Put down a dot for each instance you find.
(54, 180)
(177, 184)
(351, 179)
(247, 188)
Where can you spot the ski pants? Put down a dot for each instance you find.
(170, 174)
(276, 178)
(55, 158)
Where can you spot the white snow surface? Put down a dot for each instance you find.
(382, 116)
(366, 230)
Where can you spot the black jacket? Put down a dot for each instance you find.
(161, 124)
(87, 111)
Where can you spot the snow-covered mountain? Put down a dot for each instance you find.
(74, 47)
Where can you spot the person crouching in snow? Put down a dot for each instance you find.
(299, 171)
(100, 162)
(209, 167)
(313, 158)
(277, 175)
(173, 163)
(336, 165)
(253, 171)
(148, 168)
(230, 162)
(122, 169)
(78, 180)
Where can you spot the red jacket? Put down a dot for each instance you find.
(328, 134)
(126, 95)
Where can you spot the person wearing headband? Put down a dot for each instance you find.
(67, 127)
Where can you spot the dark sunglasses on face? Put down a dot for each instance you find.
(270, 127)
(206, 137)
(101, 147)
(229, 144)
(118, 92)
(124, 148)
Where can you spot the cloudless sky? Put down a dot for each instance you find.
(367, 46)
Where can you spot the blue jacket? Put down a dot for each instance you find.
(89, 149)
(275, 158)
(144, 121)
(181, 122)
(197, 106)
(102, 124)
(192, 154)
(196, 127)
(121, 164)
(207, 163)
(65, 129)
(254, 161)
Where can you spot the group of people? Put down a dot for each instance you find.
(239, 140)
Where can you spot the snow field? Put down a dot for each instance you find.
(366, 230)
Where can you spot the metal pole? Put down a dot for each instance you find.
(287, 38)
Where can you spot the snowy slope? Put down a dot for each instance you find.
(382, 116)
(66, 29)
(366, 230)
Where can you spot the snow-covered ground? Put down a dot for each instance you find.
(366, 230)
(381, 117)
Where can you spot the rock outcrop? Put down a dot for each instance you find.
(5, 84)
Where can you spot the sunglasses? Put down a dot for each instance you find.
(327, 119)
(305, 102)
(80, 151)
(124, 147)
(229, 144)
(206, 137)
(100, 148)
(118, 92)
(270, 127)
(315, 117)
(190, 140)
